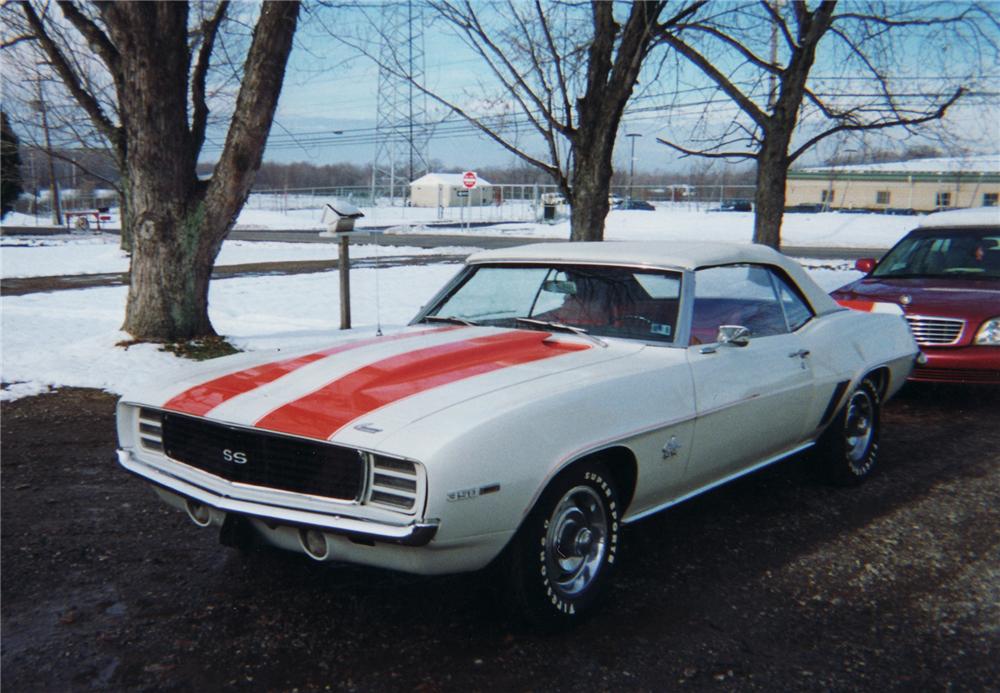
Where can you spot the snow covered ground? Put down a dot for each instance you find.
(68, 338)
(88, 253)
(670, 221)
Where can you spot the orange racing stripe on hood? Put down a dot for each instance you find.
(327, 410)
(201, 399)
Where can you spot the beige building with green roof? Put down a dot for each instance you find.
(880, 188)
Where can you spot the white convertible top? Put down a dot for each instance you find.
(682, 255)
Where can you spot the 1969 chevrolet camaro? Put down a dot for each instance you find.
(546, 396)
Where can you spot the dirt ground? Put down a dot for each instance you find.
(772, 583)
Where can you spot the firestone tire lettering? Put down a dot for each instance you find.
(559, 564)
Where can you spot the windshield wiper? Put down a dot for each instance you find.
(579, 331)
(451, 319)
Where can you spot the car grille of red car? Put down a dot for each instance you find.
(935, 331)
(259, 458)
(955, 375)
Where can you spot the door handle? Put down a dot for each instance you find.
(801, 353)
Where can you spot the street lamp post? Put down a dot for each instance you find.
(631, 170)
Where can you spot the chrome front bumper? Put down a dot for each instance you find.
(414, 533)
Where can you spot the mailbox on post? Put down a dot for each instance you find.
(340, 217)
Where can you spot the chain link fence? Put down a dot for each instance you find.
(511, 202)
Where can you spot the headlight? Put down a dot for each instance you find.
(989, 333)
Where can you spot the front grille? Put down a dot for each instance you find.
(956, 375)
(150, 430)
(264, 459)
(393, 483)
(935, 331)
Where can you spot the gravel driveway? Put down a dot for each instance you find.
(772, 583)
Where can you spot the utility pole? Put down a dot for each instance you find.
(53, 183)
(631, 171)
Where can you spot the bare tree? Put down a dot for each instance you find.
(150, 104)
(562, 74)
(784, 111)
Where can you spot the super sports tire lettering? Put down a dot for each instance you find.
(561, 561)
(848, 449)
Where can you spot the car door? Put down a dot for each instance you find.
(752, 401)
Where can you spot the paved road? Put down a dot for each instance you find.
(439, 240)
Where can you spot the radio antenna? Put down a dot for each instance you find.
(378, 303)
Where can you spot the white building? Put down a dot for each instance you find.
(447, 190)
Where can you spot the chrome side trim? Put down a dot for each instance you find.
(414, 533)
(720, 482)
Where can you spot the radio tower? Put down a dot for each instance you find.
(401, 131)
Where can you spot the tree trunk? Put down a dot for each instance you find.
(611, 76)
(177, 223)
(590, 201)
(769, 198)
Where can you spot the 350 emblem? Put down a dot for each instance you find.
(235, 456)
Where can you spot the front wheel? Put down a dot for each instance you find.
(561, 559)
(849, 448)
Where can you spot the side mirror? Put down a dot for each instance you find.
(865, 264)
(733, 335)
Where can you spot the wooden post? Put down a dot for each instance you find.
(345, 284)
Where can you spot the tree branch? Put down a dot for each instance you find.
(199, 113)
(557, 60)
(113, 133)
(713, 73)
(707, 154)
(96, 38)
(896, 122)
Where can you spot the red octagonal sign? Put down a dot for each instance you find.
(469, 179)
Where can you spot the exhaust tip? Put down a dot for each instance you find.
(314, 544)
(199, 513)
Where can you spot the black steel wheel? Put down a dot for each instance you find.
(561, 560)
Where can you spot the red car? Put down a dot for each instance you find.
(945, 275)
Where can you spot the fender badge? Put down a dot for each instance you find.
(469, 493)
(672, 447)
(367, 428)
(905, 299)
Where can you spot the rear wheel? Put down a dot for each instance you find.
(560, 562)
(849, 448)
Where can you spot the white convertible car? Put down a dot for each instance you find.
(546, 396)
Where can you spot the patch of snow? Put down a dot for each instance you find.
(980, 163)
(72, 254)
(983, 216)
(71, 338)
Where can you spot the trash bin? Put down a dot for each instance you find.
(340, 217)
(549, 212)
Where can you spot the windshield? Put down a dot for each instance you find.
(604, 301)
(946, 254)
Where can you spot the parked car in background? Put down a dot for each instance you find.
(635, 205)
(945, 275)
(546, 396)
(735, 205)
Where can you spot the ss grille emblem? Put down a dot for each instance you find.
(234, 456)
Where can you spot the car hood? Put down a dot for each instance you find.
(974, 300)
(359, 385)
